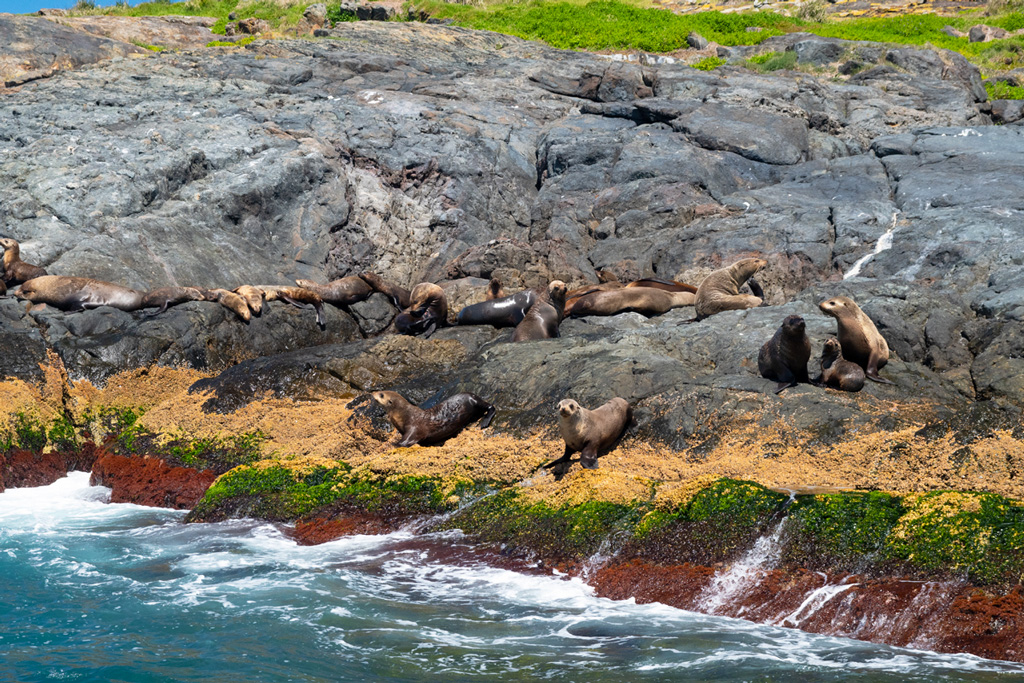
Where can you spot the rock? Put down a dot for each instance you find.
(253, 26)
(696, 41)
(150, 481)
(818, 52)
(316, 14)
(952, 32)
(980, 33)
(232, 16)
(50, 12)
(1007, 111)
(756, 135)
(158, 31)
(375, 13)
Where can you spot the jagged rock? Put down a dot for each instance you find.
(253, 26)
(1007, 111)
(375, 13)
(696, 41)
(52, 12)
(168, 32)
(316, 14)
(818, 52)
(952, 32)
(980, 33)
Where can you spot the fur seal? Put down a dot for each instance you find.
(343, 292)
(858, 336)
(3, 288)
(436, 424)
(494, 290)
(544, 316)
(401, 297)
(667, 285)
(507, 311)
(296, 296)
(427, 310)
(231, 301)
(836, 371)
(720, 291)
(253, 298)
(15, 270)
(79, 293)
(590, 432)
(170, 296)
(784, 357)
(648, 301)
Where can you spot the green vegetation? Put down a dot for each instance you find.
(229, 43)
(1001, 90)
(63, 434)
(25, 432)
(772, 61)
(154, 48)
(280, 15)
(220, 454)
(709, 63)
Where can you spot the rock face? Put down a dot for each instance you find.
(429, 153)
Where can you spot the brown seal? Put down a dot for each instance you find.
(836, 371)
(15, 270)
(296, 296)
(3, 288)
(79, 293)
(427, 311)
(591, 433)
(494, 290)
(437, 423)
(170, 296)
(574, 295)
(400, 296)
(784, 357)
(253, 297)
(667, 285)
(647, 301)
(342, 292)
(720, 291)
(231, 301)
(544, 316)
(858, 336)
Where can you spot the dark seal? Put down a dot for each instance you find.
(437, 424)
(784, 357)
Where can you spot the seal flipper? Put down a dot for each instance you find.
(875, 378)
(755, 288)
(784, 385)
(488, 416)
(588, 458)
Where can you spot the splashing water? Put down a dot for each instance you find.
(727, 585)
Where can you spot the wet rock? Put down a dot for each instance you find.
(150, 481)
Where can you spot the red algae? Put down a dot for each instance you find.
(150, 481)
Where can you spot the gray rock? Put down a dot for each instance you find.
(1007, 111)
(980, 33)
(818, 52)
(696, 41)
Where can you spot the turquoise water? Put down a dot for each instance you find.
(99, 592)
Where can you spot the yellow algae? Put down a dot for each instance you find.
(584, 486)
(678, 494)
(138, 389)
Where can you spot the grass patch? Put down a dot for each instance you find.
(154, 48)
(772, 61)
(229, 43)
(1001, 90)
(709, 63)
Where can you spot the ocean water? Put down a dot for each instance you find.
(91, 591)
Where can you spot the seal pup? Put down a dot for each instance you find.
(494, 290)
(400, 296)
(342, 292)
(79, 293)
(836, 371)
(720, 291)
(427, 311)
(15, 270)
(436, 424)
(784, 357)
(544, 316)
(253, 297)
(170, 296)
(858, 336)
(507, 311)
(590, 433)
(231, 301)
(648, 301)
(296, 296)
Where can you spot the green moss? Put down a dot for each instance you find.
(772, 61)
(25, 432)
(217, 453)
(154, 48)
(63, 434)
(838, 529)
(1001, 90)
(709, 63)
(229, 43)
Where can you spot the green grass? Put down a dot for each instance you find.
(772, 61)
(229, 43)
(1004, 91)
(709, 63)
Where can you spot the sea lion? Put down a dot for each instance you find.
(667, 285)
(79, 293)
(784, 357)
(427, 310)
(858, 336)
(590, 432)
(647, 301)
(342, 292)
(508, 311)
(3, 288)
(436, 424)
(400, 296)
(574, 295)
(253, 297)
(231, 301)
(836, 371)
(16, 271)
(494, 290)
(170, 296)
(296, 296)
(544, 316)
(720, 291)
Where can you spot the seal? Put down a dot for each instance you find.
(720, 291)
(667, 285)
(3, 288)
(79, 293)
(231, 301)
(574, 295)
(590, 433)
(427, 311)
(15, 270)
(836, 371)
(494, 290)
(858, 336)
(253, 297)
(170, 296)
(343, 292)
(436, 424)
(296, 296)
(784, 357)
(400, 296)
(648, 301)
(544, 316)
(507, 311)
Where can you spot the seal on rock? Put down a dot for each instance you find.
(720, 291)
(79, 293)
(436, 424)
(494, 290)
(648, 301)
(253, 298)
(231, 301)
(544, 316)
(836, 371)
(507, 311)
(3, 288)
(170, 296)
(667, 285)
(296, 296)
(591, 433)
(427, 310)
(342, 292)
(858, 336)
(15, 270)
(400, 296)
(784, 357)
